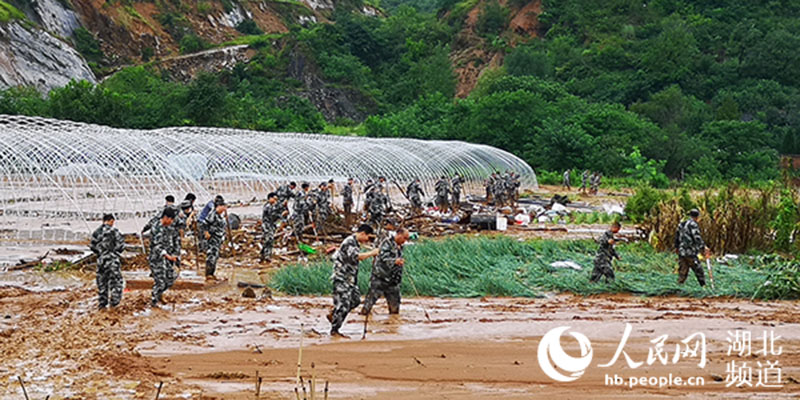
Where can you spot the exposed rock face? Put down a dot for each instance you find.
(333, 102)
(53, 17)
(33, 57)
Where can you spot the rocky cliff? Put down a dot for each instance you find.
(39, 49)
(30, 56)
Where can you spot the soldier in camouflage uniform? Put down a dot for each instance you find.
(499, 191)
(415, 194)
(369, 194)
(442, 187)
(270, 215)
(323, 203)
(457, 184)
(214, 227)
(378, 206)
(605, 254)
(511, 186)
(346, 295)
(347, 202)
(688, 244)
(595, 183)
(165, 250)
(489, 184)
(302, 207)
(107, 243)
(387, 273)
(584, 180)
(286, 192)
(566, 177)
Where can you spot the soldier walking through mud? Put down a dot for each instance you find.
(605, 255)
(165, 251)
(688, 244)
(270, 215)
(107, 243)
(346, 296)
(214, 227)
(201, 219)
(457, 184)
(415, 195)
(442, 192)
(347, 202)
(387, 272)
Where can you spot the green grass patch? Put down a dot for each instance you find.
(9, 12)
(501, 266)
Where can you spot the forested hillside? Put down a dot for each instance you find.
(699, 90)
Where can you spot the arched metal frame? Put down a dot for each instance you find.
(60, 169)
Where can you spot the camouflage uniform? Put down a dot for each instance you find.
(164, 241)
(595, 183)
(108, 244)
(369, 194)
(215, 226)
(347, 202)
(584, 180)
(456, 184)
(301, 209)
(602, 261)
(510, 187)
(386, 276)
(377, 208)
(499, 191)
(157, 218)
(284, 193)
(269, 216)
(323, 210)
(689, 244)
(565, 182)
(489, 187)
(442, 192)
(414, 193)
(346, 295)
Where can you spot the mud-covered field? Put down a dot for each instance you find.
(211, 344)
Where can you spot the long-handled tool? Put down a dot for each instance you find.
(710, 273)
(313, 225)
(230, 236)
(413, 286)
(196, 249)
(141, 240)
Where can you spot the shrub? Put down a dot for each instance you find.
(192, 43)
(249, 27)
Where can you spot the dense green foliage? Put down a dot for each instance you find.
(9, 12)
(502, 266)
(706, 91)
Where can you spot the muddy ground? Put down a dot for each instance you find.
(211, 344)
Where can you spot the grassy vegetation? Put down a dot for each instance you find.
(501, 266)
(9, 12)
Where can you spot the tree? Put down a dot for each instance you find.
(526, 60)
(492, 18)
